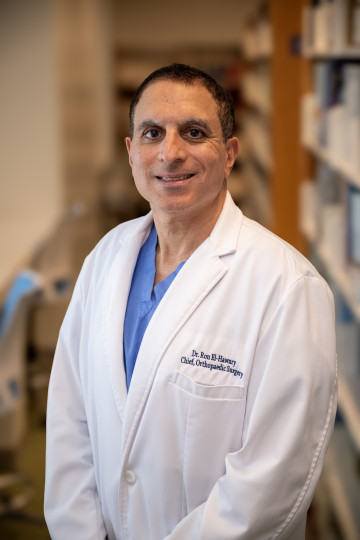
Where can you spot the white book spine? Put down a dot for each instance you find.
(355, 30)
(354, 207)
(339, 25)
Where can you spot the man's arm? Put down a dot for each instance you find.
(72, 507)
(269, 483)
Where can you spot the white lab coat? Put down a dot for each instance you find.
(231, 451)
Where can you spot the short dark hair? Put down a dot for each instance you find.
(190, 76)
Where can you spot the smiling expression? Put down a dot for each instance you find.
(178, 158)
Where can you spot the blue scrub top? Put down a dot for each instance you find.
(143, 300)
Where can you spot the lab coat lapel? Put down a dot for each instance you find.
(114, 307)
(200, 274)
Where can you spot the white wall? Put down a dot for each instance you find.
(29, 160)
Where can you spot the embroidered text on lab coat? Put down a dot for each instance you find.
(204, 360)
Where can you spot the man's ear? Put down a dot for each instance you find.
(232, 150)
(128, 146)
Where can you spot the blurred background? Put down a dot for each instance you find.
(68, 70)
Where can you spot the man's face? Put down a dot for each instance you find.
(178, 158)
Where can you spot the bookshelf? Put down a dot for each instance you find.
(330, 219)
(271, 85)
(343, 168)
(255, 116)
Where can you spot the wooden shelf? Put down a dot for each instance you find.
(349, 395)
(260, 57)
(346, 54)
(338, 275)
(328, 240)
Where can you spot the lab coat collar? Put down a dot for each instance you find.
(115, 301)
(225, 234)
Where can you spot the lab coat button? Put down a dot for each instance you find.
(130, 477)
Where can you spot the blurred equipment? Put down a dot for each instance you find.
(15, 489)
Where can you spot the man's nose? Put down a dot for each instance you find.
(173, 148)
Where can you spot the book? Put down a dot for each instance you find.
(354, 22)
(321, 21)
(351, 99)
(347, 336)
(339, 32)
(354, 224)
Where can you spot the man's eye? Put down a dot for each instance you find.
(151, 133)
(195, 133)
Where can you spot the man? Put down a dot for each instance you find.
(193, 390)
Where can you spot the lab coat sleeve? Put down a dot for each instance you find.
(269, 483)
(72, 507)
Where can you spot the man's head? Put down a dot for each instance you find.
(188, 75)
(178, 152)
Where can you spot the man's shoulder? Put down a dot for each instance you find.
(272, 251)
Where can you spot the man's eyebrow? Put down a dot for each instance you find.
(198, 122)
(145, 124)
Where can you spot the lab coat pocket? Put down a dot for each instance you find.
(213, 430)
(207, 391)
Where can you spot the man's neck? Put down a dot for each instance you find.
(178, 238)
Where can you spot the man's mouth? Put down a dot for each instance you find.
(174, 178)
